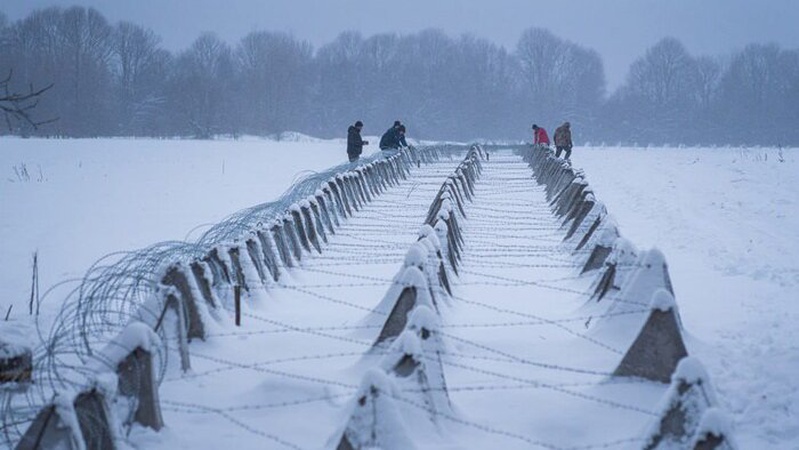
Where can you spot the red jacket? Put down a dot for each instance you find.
(540, 136)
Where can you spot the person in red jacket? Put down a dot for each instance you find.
(540, 136)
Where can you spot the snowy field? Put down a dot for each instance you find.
(726, 219)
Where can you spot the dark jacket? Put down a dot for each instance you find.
(563, 136)
(392, 138)
(354, 141)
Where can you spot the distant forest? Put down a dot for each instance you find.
(116, 80)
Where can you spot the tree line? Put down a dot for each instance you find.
(117, 80)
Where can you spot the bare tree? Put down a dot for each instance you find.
(563, 79)
(200, 89)
(18, 106)
(140, 70)
(275, 72)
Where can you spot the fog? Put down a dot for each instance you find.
(620, 30)
(631, 71)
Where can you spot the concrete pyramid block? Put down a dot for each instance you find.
(659, 347)
(375, 421)
(684, 409)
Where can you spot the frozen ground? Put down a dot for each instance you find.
(725, 218)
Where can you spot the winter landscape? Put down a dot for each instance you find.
(209, 240)
(288, 375)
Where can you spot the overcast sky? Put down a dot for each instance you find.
(620, 30)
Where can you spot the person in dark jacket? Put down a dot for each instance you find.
(354, 142)
(394, 137)
(563, 140)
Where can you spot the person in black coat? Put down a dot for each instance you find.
(394, 137)
(354, 142)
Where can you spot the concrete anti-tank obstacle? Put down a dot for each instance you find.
(374, 421)
(659, 347)
(256, 256)
(237, 268)
(326, 211)
(204, 285)
(49, 430)
(437, 277)
(567, 200)
(130, 356)
(318, 221)
(586, 207)
(176, 277)
(603, 231)
(299, 227)
(218, 267)
(270, 259)
(687, 401)
(649, 273)
(136, 372)
(291, 237)
(347, 191)
(415, 359)
(16, 363)
(597, 258)
(714, 432)
(622, 254)
(343, 195)
(362, 189)
(92, 411)
(337, 199)
(442, 231)
(310, 226)
(409, 289)
(71, 423)
(281, 243)
(352, 191)
(174, 304)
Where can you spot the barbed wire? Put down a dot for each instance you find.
(115, 288)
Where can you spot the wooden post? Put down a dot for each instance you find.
(237, 301)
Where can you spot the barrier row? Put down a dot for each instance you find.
(411, 372)
(625, 282)
(191, 296)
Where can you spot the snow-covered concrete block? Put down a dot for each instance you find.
(309, 225)
(16, 360)
(618, 266)
(300, 227)
(649, 273)
(196, 311)
(93, 415)
(269, 256)
(318, 221)
(714, 432)
(344, 195)
(289, 230)
(414, 358)
(256, 256)
(409, 289)
(203, 279)
(236, 264)
(55, 427)
(130, 356)
(218, 268)
(680, 414)
(659, 347)
(327, 213)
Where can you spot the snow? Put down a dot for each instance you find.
(662, 300)
(135, 335)
(714, 422)
(725, 220)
